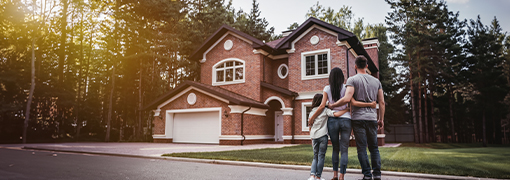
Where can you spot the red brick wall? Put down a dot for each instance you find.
(327, 41)
(241, 50)
(276, 80)
(268, 70)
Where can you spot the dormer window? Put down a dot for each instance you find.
(228, 71)
(315, 64)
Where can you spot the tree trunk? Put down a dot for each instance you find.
(484, 132)
(420, 119)
(31, 93)
(426, 119)
(140, 136)
(450, 97)
(80, 77)
(61, 62)
(432, 116)
(416, 137)
(108, 124)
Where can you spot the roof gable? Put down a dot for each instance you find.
(218, 35)
(216, 92)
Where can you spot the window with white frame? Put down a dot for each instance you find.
(306, 107)
(228, 71)
(315, 64)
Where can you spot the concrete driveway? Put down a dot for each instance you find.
(139, 149)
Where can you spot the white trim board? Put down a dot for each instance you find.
(253, 111)
(307, 95)
(248, 137)
(260, 51)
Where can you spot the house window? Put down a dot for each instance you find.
(228, 71)
(315, 64)
(283, 71)
(306, 107)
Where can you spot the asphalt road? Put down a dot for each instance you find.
(26, 164)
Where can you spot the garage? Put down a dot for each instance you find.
(196, 127)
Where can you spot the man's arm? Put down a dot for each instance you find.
(380, 98)
(372, 104)
(346, 99)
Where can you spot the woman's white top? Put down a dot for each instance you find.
(327, 89)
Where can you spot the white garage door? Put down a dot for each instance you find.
(198, 127)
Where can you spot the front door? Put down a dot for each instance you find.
(278, 126)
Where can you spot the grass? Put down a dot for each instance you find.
(433, 158)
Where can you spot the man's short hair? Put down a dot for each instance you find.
(361, 62)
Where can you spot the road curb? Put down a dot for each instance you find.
(259, 164)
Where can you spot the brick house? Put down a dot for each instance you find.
(255, 92)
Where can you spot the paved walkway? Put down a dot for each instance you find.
(141, 149)
(155, 150)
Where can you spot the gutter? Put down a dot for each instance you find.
(242, 125)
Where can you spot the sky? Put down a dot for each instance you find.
(281, 13)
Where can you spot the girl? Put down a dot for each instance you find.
(319, 135)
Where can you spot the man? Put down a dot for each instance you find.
(365, 123)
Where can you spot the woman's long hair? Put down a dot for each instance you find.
(336, 81)
(317, 100)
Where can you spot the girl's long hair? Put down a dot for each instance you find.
(336, 81)
(317, 100)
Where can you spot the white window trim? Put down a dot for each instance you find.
(282, 76)
(214, 83)
(303, 64)
(304, 126)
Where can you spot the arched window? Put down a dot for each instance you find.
(228, 71)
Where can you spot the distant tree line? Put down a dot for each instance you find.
(75, 70)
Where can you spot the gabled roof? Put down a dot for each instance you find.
(233, 98)
(343, 35)
(218, 34)
(280, 46)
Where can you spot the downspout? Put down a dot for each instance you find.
(347, 57)
(242, 125)
(292, 141)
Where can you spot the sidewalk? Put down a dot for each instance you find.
(155, 150)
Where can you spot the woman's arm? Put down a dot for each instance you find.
(346, 99)
(372, 104)
(319, 109)
(342, 112)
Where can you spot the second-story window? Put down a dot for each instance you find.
(229, 71)
(315, 64)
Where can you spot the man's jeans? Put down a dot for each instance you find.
(320, 145)
(365, 132)
(342, 126)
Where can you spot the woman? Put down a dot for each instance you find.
(338, 125)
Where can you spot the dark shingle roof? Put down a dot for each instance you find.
(278, 89)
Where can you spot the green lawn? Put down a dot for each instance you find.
(434, 158)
